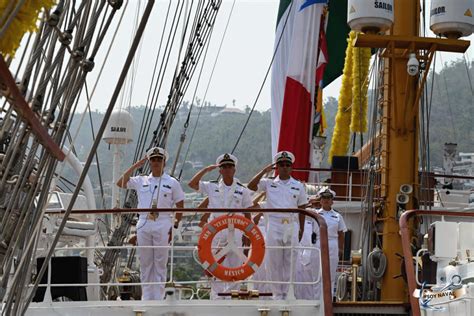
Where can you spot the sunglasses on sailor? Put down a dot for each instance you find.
(227, 166)
(284, 164)
(156, 158)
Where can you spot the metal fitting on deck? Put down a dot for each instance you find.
(264, 311)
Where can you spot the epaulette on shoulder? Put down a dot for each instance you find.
(214, 181)
(272, 178)
(238, 183)
(174, 178)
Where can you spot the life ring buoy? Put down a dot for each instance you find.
(209, 262)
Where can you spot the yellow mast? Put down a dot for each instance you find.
(399, 157)
(400, 146)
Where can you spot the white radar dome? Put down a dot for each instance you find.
(452, 18)
(119, 129)
(370, 16)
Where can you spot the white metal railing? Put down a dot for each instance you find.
(171, 279)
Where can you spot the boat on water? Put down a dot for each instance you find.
(409, 250)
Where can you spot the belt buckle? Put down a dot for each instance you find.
(153, 216)
(285, 221)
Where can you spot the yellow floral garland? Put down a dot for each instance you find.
(353, 103)
(24, 21)
(340, 138)
(360, 86)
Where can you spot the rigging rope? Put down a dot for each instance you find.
(374, 129)
(159, 81)
(186, 124)
(451, 117)
(65, 86)
(264, 79)
(341, 286)
(96, 143)
(205, 92)
(376, 264)
(174, 99)
(468, 74)
(97, 161)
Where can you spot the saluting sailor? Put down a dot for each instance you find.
(336, 229)
(282, 192)
(226, 193)
(157, 190)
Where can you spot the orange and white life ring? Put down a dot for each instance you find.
(209, 262)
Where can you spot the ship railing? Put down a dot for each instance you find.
(405, 230)
(324, 270)
(172, 281)
(350, 185)
(176, 248)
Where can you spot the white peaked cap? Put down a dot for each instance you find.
(284, 156)
(326, 191)
(226, 159)
(156, 152)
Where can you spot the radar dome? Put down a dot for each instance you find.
(119, 129)
(452, 19)
(370, 16)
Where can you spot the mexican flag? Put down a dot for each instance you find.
(293, 88)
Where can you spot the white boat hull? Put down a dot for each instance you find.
(178, 308)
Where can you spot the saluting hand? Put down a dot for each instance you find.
(140, 163)
(268, 168)
(211, 167)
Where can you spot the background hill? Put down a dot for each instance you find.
(451, 120)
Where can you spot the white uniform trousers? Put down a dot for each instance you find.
(333, 261)
(231, 260)
(261, 273)
(153, 262)
(306, 265)
(280, 261)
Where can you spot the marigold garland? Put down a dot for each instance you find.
(360, 86)
(24, 21)
(340, 139)
(353, 103)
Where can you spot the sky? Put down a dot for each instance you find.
(240, 70)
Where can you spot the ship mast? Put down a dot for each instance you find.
(400, 146)
(400, 130)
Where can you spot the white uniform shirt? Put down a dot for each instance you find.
(334, 221)
(222, 196)
(283, 194)
(164, 192)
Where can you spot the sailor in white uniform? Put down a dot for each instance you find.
(226, 193)
(157, 190)
(336, 229)
(282, 192)
(305, 265)
(262, 272)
